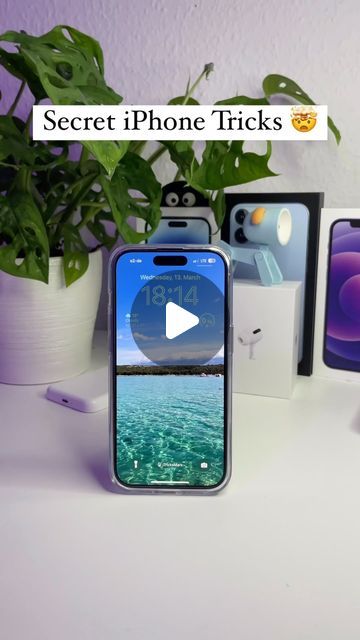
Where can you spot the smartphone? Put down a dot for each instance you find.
(88, 392)
(342, 312)
(186, 230)
(170, 357)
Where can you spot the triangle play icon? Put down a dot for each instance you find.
(178, 320)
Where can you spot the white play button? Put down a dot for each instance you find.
(178, 320)
(168, 334)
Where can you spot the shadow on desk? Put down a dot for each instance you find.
(98, 467)
(355, 423)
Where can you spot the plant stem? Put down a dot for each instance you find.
(88, 216)
(55, 219)
(177, 175)
(37, 197)
(28, 123)
(92, 203)
(156, 155)
(161, 150)
(17, 98)
(83, 157)
(11, 166)
(205, 72)
(72, 206)
(23, 179)
(138, 147)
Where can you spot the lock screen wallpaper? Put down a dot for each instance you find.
(342, 322)
(170, 386)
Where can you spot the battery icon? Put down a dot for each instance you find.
(211, 260)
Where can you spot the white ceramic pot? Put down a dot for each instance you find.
(46, 330)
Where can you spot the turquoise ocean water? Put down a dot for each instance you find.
(167, 426)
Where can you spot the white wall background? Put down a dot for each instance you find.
(152, 46)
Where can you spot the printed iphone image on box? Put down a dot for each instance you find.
(297, 259)
(337, 340)
(186, 217)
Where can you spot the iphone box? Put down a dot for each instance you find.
(266, 337)
(337, 321)
(203, 214)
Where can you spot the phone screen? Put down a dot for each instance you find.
(342, 321)
(171, 328)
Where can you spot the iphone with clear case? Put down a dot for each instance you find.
(170, 336)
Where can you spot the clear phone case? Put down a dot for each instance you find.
(126, 489)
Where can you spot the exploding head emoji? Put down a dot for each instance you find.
(303, 118)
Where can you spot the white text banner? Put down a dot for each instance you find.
(180, 122)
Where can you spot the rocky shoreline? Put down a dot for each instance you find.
(174, 370)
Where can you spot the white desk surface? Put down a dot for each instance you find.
(276, 556)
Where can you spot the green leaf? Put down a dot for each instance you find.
(14, 146)
(182, 154)
(217, 204)
(332, 126)
(242, 100)
(15, 64)
(80, 188)
(69, 66)
(76, 256)
(68, 63)
(13, 143)
(88, 44)
(107, 152)
(227, 164)
(133, 174)
(26, 250)
(98, 226)
(275, 84)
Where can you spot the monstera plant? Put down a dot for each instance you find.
(59, 202)
(50, 192)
